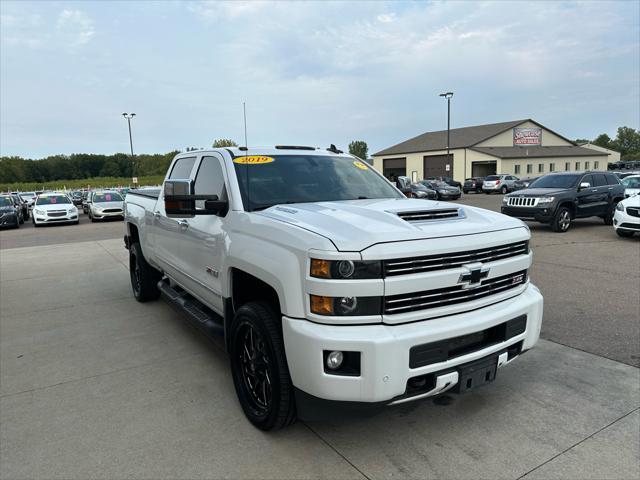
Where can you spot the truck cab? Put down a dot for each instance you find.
(329, 288)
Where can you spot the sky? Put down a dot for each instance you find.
(310, 73)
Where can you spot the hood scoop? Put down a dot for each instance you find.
(427, 215)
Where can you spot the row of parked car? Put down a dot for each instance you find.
(59, 207)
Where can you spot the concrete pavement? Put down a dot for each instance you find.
(94, 384)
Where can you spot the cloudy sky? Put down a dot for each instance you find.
(310, 73)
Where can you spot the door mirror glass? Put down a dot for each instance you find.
(585, 185)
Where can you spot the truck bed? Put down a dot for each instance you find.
(146, 192)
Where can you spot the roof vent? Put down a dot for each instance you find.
(427, 215)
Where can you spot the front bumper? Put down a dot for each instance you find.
(104, 215)
(45, 219)
(385, 349)
(9, 220)
(625, 222)
(539, 214)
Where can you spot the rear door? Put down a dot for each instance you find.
(601, 193)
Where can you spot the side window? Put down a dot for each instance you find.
(209, 180)
(612, 179)
(588, 179)
(599, 180)
(182, 168)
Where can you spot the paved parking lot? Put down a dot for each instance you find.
(93, 384)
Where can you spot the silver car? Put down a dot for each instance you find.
(105, 204)
(499, 183)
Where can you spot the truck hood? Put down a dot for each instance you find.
(357, 224)
(538, 192)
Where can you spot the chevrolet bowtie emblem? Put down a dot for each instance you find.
(474, 275)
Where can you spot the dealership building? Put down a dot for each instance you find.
(524, 148)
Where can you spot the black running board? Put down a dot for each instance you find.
(199, 315)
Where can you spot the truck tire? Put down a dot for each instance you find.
(561, 220)
(608, 217)
(144, 278)
(259, 367)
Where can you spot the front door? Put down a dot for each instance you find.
(205, 237)
(587, 198)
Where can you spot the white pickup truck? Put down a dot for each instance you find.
(326, 285)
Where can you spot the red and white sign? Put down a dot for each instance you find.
(527, 136)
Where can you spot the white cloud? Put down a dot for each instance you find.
(76, 26)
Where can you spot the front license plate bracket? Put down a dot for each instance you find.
(476, 374)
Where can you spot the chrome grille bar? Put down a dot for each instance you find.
(403, 266)
(451, 295)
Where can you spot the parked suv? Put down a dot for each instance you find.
(499, 183)
(473, 184)
(559, 198)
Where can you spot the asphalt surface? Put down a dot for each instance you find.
(94, 384)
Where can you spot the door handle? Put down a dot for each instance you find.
(183, 224)
(157, 214)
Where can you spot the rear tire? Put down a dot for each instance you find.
(561, 220)
(259, 367)
(504, 190)
(144, 278)
(624, 233)
(608, 217)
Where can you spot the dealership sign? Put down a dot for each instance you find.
(527, 136)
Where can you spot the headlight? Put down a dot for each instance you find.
(505, 199)
(346, 306)
(620, 207)
(39, 212)
(345, 269)
(544, 200)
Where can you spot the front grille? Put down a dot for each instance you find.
(522, 201)
(113, 210)
(633, 211)
(429, 215)
(443, 261)
(56, 214)
(440, 297)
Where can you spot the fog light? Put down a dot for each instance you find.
(334, 360)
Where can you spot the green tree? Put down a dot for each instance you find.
(359, 148)
(627, 142)
(603, 140)
(582, 141)
(224, 142)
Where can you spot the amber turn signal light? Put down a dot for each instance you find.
(320, 268)
(321, 305)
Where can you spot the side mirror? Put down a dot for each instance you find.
(180, 201)
(584, 185)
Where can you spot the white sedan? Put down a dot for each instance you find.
(626, 219)
(54, 208)
(631, 185)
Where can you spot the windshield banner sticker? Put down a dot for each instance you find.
(253, 160)
(360, 165)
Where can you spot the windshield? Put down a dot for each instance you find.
(307, 178)
(555, 181)
(631, 182)
(52, 200)
(419, 186)
(5, 202)
(27, 194)
(106, 197)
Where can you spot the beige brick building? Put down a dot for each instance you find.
(524, 148)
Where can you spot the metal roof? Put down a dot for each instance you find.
(465, 137)
(539, 152)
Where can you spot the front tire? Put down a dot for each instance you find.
(259, 367)
(624, 233)
(561, 220)
(144, 278)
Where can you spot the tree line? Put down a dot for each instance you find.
(627, 142)
(80, 166)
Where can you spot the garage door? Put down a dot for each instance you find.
(436, 166)
(396, 167)
(483, 169)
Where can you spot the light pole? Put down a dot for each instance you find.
(129, 116)
(448, 96)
